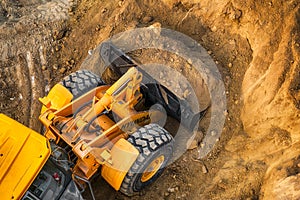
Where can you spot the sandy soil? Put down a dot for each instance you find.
(255, 45)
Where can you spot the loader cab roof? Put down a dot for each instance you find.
(23, 153)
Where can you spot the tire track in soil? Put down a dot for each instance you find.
(22, 75)
(36, 84)
(26, 40)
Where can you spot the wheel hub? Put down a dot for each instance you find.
(152, 168)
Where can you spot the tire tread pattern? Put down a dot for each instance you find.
(147, 140)
(80, 82)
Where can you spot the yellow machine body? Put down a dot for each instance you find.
(95, 137)
(58, 97)
(109, 147)
(123, 154)
(23, 153)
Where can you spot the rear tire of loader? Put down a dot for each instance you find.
(155, 145)
(80, 82)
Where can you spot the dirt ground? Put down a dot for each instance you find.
(255, 45)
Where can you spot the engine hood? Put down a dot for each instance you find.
(23, 153)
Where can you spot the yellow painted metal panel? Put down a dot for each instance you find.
(23, 153)
(123, 155)
(58, 97)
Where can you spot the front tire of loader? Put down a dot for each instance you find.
(155, 145)
(80, 82)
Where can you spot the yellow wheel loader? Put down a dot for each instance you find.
(91, 127)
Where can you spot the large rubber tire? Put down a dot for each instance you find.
(80, 82)
(152, 141)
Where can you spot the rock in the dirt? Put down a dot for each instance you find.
(192, 145)
(55, 67)
(147, 19)
(194, 140)
(202, 145)
(72, 61)
(98, 28)
(57, 48)
(155, 25)
(186, 93)
(214, 29)
(171, 190)
(59, 34)
(204, 169)
(44, 67)
(161, 74)
(236, 15)
(131, 25)
(62, 70)
(213, 133)
(120, 3)
(225, 112)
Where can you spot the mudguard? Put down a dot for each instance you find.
(123, 155)
(58, 97)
